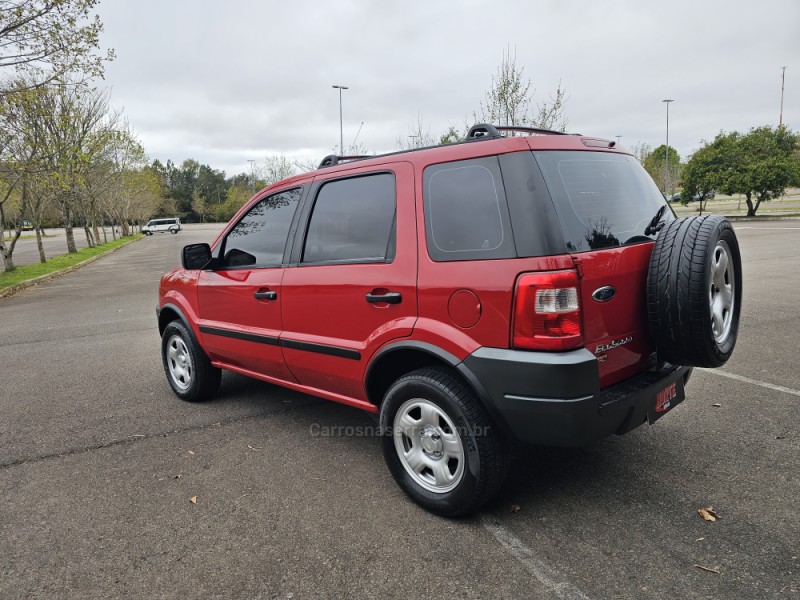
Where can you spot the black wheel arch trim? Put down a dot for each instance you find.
(176, 309)
(453, 361)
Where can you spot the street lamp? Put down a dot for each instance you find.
(341, 130)
(617, 136)
(666, 152)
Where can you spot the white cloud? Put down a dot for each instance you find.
(227, 82)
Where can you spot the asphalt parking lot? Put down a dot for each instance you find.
(99, 462)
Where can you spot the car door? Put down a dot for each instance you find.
(240, 302)
(354, 286)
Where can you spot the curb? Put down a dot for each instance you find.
(10, 291)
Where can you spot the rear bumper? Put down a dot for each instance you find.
(555, 399)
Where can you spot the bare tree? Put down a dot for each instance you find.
(274, 168)
(508, 100)
(419, 136)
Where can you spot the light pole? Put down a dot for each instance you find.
(618, 137)
(341, 130)
(666, 152)
(783, 80)
(252, 174)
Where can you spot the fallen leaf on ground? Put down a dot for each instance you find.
(514, 508)
(707, 569)
(699, 539)
(193, 499)
(191, 452)
(254, 449)
(177, 476)
(717, 405)
(708, 513)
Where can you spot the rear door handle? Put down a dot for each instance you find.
(389, 298)
(271, 295)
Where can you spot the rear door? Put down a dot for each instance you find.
(354, 286)
(240, 302)
(605, 202)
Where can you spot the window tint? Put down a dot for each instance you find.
(466, 215)
(353, 220)
(602, 199)
(259, 238)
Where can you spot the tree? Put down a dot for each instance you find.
(452, 136)
(52, 40)
(509, 98)
(759, 165)
(419, 136)
(655, 163)
(274, 168)
(709, 169)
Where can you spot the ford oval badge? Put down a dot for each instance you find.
(604, 294)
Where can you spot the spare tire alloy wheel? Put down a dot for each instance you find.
(722, 292)
(438, 445)
(694, 291)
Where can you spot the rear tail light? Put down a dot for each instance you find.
(547, 311)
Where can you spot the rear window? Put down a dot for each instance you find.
(602, 199)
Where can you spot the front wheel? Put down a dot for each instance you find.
(438, 445)
(173, 231)
(189, 372)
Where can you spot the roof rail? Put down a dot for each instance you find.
(335, 159)
(483, 131)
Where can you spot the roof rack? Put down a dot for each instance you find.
(335, 159)
(483, 131)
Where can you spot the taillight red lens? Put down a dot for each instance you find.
(547, 312)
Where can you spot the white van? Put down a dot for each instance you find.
(162, 226)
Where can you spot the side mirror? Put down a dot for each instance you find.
(195, 256)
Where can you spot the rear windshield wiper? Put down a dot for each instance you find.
(655, 223)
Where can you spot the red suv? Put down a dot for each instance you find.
(531, 288)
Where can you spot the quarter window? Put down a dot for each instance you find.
(259, 238)
(466, 214)
(353, 221)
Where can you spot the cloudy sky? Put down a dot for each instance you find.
(229, 82)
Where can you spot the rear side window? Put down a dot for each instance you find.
(466, 214)
(602, 199)
(353, 221)
(259, 238)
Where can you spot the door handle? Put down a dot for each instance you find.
(389, 298)
(271, 295)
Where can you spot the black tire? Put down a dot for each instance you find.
(459, 442)
(189, 371)
(693, 320)
(148, 233)
(173, 231)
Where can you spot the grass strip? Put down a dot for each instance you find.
(59, 263)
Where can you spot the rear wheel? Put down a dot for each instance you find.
(173, 231)
(438, 445)
(694, 291)
(189, 372)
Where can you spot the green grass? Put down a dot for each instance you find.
(59, 263)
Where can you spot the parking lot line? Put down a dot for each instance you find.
(546, 574)
(764, 384)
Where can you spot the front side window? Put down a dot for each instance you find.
(466, 213)
(259, 238)
(353, 221)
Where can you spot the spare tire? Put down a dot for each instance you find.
(694, 291)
